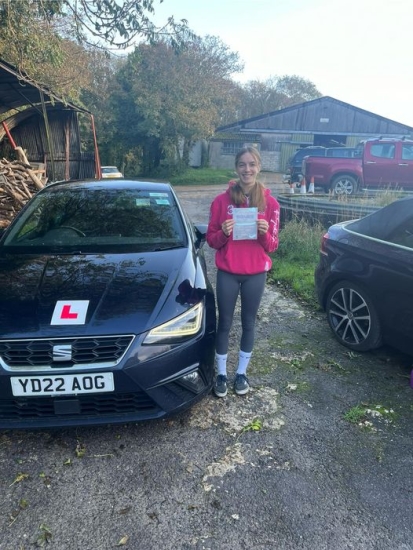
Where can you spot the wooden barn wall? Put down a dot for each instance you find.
(65, 144)
(328, 117)
(303, 139)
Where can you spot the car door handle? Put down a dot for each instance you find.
(403, 164)
(370, 162)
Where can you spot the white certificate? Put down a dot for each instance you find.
(245, 227)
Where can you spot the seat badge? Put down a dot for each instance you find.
(62, 352)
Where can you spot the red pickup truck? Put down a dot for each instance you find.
(379, 162)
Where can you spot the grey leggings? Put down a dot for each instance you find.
(229, 286)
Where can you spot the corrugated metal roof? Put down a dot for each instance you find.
(18, 90)
(321, 115)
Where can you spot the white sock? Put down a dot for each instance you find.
(243, 360)
(221, 361)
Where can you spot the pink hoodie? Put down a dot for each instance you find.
(244, 257)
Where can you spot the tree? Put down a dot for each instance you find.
(27, 36)
(296, 89)
(113, 23)
(260, 97)
(172, 98)
(48, 39)
(120, 22)
(96, 98)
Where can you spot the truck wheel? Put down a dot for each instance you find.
(344, 185)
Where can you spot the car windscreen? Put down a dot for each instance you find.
(93, 220)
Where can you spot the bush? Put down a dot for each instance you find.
(300, 241)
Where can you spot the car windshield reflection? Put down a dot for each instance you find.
(76, 220)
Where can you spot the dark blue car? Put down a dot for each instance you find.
(364, 279)
(106, 311)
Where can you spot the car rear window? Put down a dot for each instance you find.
(341, 152)
(109, 170)
(299, 155)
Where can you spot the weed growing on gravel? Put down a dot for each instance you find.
(45, 535)
(355, 414)
(19, 478)
(298, 386)
(255, 425)
(336, 365)
(365, 416)
(80, 450)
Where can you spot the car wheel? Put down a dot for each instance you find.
(344, 185)
(352, 317)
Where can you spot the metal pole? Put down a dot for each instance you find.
(8, 134)
(98, 167)
(49, 142)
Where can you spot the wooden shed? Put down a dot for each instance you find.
(324, 121)
(46, 127)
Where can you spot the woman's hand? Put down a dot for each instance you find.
(227, 227)
(262, 226)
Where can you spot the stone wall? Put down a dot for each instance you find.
(270, 161)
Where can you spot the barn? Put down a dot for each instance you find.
(324, 121)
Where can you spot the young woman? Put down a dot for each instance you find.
(242, 260)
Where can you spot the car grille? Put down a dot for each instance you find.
(89, 406)
(38, 353)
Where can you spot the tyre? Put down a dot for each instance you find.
(352, 317)
(344, 185)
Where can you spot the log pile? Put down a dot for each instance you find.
(18, 183)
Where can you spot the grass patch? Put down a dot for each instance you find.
(355, 414)
(202, 176)
(296, 258)
(370, 417)
(388, 195)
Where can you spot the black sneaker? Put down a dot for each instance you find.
(241, 385)
(220, 385)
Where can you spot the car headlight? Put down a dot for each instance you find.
(186, 325)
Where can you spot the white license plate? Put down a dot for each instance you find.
(62, 384)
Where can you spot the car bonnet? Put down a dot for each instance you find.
(47, 296)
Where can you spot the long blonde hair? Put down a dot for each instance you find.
(257, 194)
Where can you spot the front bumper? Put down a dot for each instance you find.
(152, 389)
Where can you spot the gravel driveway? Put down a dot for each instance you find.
(317, 457)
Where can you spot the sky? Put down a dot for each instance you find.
(356, 51)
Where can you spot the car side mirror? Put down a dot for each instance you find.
(200, 232)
